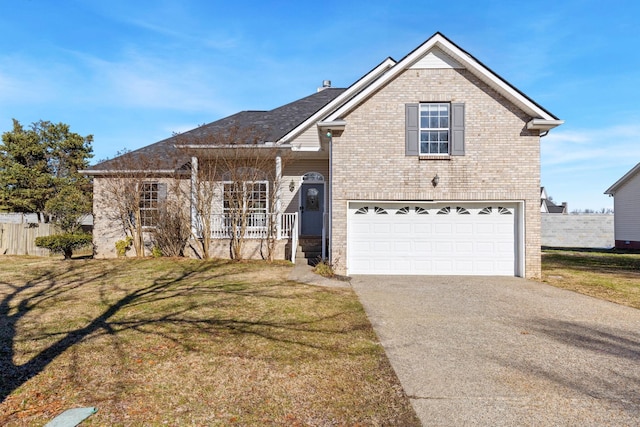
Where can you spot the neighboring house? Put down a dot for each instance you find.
(547, 205)
(626, 208)
(427, 165)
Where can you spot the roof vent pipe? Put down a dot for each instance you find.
(325, 84)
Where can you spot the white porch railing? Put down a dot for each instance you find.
(258, 226)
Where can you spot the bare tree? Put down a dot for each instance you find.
(238, 167)
(134, 193)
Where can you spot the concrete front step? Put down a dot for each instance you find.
(310, 248)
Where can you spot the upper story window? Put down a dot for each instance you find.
(434, 129)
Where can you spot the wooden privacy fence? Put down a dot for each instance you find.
(19, 239)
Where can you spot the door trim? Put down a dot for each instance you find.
(312, 180)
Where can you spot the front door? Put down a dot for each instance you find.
(312, 209)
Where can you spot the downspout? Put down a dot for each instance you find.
(330, 135)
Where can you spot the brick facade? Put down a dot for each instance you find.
(501, 161)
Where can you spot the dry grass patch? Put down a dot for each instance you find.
(607, 275)
(177, 342)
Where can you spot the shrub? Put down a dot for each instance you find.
(64, 243)
(122, 246)
(323, 268)
(172, 231)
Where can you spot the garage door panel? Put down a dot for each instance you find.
(504, 228)
(379, 228)
(460, 240)
(464, 267)
(464, 228)
(402, 246)
(421, 228)
(382, 246)
(444, 247)
(464, 248)
(444, 266)
(484, 227)
(402, 228)
(360, 229)
(442, 228)
(422, 247)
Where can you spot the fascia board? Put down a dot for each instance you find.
(619, 183)
(470, 63)
(345, 96)
(130, 171)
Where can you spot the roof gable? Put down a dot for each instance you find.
(436, 58)
(438, 51)
(625, 179)
(366, 80)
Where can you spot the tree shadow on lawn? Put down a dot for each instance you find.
(50, 285)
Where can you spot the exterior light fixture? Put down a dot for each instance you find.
(435, 180)
(329, 134)
(292, 186)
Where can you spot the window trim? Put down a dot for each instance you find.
(421, 129)
(250, 211)
(456, 131)
(149, 206)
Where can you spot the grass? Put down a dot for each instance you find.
(187, 342)
(609, 275)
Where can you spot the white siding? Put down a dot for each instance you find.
(293, 171)
(309, 140)
(627, 210)
(436, 59)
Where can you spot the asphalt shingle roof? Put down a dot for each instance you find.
(274, 124)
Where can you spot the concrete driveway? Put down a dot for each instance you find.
(506, 351)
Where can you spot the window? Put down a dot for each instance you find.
(362, 211)
(150, 196)
(434, 128)
(250, 198)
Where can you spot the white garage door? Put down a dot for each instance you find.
(431, 238)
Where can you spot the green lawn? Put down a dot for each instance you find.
(608, 275)
(187, 342)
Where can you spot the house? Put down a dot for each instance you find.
(626, 205)
(427, 165)
(547, 205)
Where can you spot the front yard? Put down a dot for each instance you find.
(602, 274)
(187, 342)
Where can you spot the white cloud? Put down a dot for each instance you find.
(593, 148)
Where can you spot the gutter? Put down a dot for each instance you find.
(128, 172)
(543, 124)
(218, 146)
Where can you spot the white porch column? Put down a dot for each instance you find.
(194, 196)
(278, 198)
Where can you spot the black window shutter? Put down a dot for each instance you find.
(457, 129)
(412, 129)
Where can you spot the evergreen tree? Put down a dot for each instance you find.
(38, 163)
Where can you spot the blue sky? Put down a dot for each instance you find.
(133, 72)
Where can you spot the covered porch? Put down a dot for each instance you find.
(284, 200)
